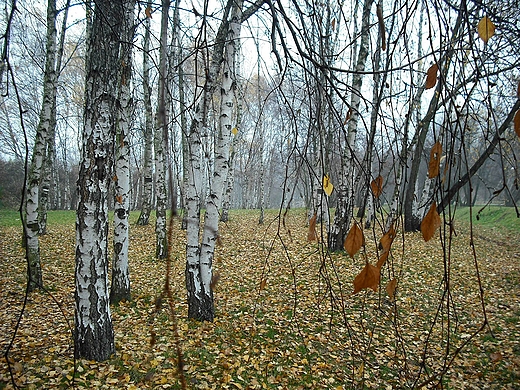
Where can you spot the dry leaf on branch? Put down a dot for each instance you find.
(387, 239)
(148, 12)
(435, 160)
(311, 235)
(516, 121)
(377, 186)
(430, 223)
(390, 288)
(367, 278)
(486, 29)
(431, 76)
(327, 185)
(382, 259)
(355, 240)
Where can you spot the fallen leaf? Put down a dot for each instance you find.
(367, 278)
(355, 240)
(390, 288)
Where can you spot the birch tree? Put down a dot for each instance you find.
(199, 256)
(94, 334)
(47, 113)
(148, 134)
(120, 286)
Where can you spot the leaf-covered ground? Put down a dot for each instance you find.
(286, 317)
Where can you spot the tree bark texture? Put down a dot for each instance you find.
(32, 205)
(94, 335)
(120, 286)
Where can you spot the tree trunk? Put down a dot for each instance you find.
(120, 287)
(161, 147)
(34, 271)
(94, 334)
(148, 136)
(344, 210)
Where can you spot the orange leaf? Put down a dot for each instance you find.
(349, 114)
(119, 199)
(431, 76)
(148, 12)
(430, 223)
(485, 28)
(367, 278)
(382, 259)
(311, 235)
(355, 240)
(435, 160)
(516, 121)
(387, 239)
(263, 283)
(390, 288)
(377, 186)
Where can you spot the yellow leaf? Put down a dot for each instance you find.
(485, 28)
(431, 76)
(234, 131)
(355, 240)
(327, 185)
(430, 223)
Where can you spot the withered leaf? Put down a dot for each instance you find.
(263, 283)
(431, 76)
(355, 240)
(390, 288)
(485, 28)
(516, 121)
(435, 160)
(381, 22)
(377, 186)
(382, 259)
(430, 223)
(119, 199)
(387, 239)
(148, 12)
(311, 235)
(367, 278)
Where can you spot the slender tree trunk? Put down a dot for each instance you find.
(34, 271)
(120, 287)
(94, 334)
(161, 147)
(147, 197)
(345, 204)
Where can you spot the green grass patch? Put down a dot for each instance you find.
(491, 216)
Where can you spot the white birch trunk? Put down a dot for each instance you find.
(148, 163)
(94, 334)
(120, 287)
(199, 269)
(32, 219)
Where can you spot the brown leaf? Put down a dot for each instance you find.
(435, 160)
(518, 90)
(333, 23)
(382, 259)
(148, 12)
(516, 121)
(119, 199)
(390, 288)
(430, 223)
(387, 239)
(377, 186)
(367, 278)
(485, 28)
(431, 76)
(214, 280)
(349, 114)
(495, 357)
(311, 235)
(355, 240)
(381, 22)
(263, 283)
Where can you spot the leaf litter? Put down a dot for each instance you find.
(286, 314)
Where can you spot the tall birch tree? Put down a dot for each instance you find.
(94, 334)
(120, 286)
(46, 121)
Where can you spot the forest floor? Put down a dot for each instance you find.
(286, 315)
